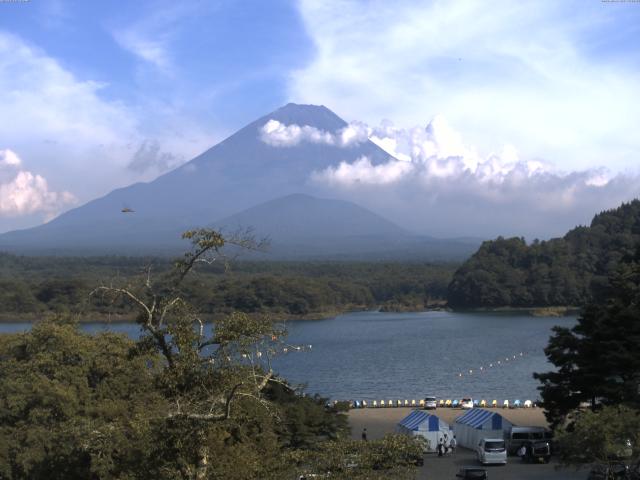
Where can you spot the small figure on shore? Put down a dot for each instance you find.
(453, 444)
(440, 447)
(364, 434)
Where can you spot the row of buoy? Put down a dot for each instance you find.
(491, 365)
(277, 351)
(442, 404)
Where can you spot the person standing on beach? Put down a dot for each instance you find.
(452, 445)
(440, 446)
(446, 444)
(364, 435)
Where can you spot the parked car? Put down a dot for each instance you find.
(536, 451)
(466, 403)
(430, 403)
(472, 473)
(492, 450)
(518, 436)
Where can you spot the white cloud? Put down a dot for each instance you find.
(9, 158)
(363, 172)
(150, 157)
(25, 192)
(75, 138)
(524, 71)
(278, 134)
(438, 184)
(152, 50)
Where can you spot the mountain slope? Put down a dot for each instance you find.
(302, 217)
(236, 174)
(302, 226)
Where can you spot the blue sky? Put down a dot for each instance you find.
(100, 94)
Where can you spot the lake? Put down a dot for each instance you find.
(374, 355)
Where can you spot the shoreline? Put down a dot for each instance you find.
(556, 311)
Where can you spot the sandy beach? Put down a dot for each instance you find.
(380, 421)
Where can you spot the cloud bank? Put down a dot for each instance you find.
(23, 192)
(435, 182)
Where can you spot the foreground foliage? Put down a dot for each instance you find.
(185, 401)
(607, 436)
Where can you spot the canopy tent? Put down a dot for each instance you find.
(423, 424)
(477, 424)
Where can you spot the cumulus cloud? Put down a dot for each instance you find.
(437, 183)
(23, 192)
(8, 158)
(278, 134)
(436, 151)
(362, 171)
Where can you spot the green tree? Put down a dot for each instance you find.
(603, 437)
(222, 420)
(598, 360)
(74, 405)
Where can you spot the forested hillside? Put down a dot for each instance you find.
(567, 271)
(32, 286)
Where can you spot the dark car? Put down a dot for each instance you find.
(536, 451)
(472, 473)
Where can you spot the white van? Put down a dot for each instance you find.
(466, 403)
(492, 450)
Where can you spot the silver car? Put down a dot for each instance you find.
(492, 450)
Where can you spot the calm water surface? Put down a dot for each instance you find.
(372, 355)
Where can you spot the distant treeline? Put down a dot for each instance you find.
(569, 271)
(31, 286)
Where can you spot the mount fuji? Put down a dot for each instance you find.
(241, 182)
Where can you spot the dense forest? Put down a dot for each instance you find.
(567, 271)
(32, 286)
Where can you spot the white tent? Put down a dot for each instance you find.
(423, 424)
(477, 424)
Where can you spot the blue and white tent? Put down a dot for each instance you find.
(423, 424)
(477, 424)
